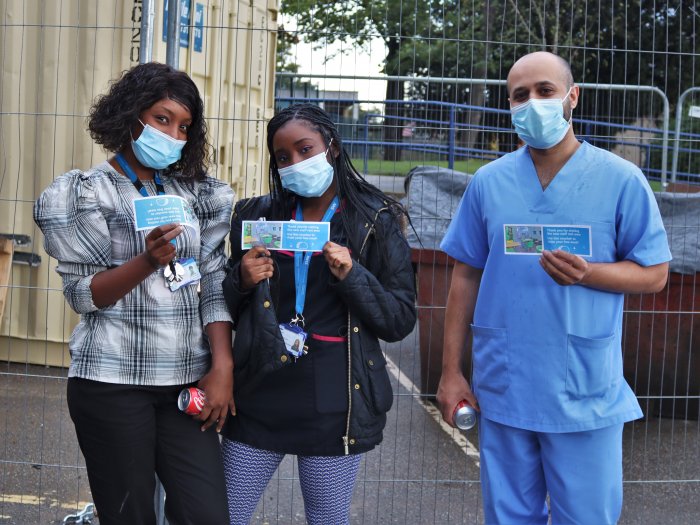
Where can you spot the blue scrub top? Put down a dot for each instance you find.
(547, 357)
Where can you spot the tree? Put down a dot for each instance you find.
(614, 42)
(358, 22)
(286, 40)
(617, 42)
(646, 43)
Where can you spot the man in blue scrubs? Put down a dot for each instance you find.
(547, 240)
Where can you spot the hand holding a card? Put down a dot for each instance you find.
(256, 265)
(338, 259)
(565, 268)
(159, 250)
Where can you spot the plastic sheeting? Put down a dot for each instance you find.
(433, 194)
(681, 216)
(432, 197)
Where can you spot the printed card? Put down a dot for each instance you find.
(294, 236)
(531, 239)
(162, 209)
(572, 239)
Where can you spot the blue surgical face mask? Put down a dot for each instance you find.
(308, 178)
(155, 149)
(540, 123)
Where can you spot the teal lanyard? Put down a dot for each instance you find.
(302, 260)
(140, 187)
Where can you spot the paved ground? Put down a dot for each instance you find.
(391, 184)
(420, 474)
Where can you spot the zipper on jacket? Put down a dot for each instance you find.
(346, 437)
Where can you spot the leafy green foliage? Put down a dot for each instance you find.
(647, 43)
(617, 41)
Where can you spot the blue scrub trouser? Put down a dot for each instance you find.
(582, 471)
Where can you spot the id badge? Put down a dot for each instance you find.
(294, 339)
(187, 273)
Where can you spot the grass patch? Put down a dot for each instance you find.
(402, 167)
(655, 185)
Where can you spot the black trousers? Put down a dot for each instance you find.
(128, 434)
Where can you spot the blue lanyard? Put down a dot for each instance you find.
(135, 180)
(302, 260)
(141, 189)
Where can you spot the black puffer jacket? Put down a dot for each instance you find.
(379, 293)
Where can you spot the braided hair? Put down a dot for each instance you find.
(351, 187)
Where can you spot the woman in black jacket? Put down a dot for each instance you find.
(324, 394)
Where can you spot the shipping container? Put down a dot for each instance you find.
(56, 57)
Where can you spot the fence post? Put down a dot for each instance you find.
(648, 159)
(365, 163)
(451, 143)
(679, 117)
(172, 49)
(148, 11)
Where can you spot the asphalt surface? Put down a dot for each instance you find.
(419, 475)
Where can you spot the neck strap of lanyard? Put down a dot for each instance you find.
(135, 180)
(302, 261)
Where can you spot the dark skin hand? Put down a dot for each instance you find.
(159, 250)
(256, 266)
(218, 382)
(338, 259)
(111, 285)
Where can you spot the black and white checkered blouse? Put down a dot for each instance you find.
(151, 336)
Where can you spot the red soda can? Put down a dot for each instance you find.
(464, 416)
(191, 400)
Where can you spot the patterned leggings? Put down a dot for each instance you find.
(327, 482)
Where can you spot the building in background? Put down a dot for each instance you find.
(56, 57)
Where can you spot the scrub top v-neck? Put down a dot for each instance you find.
(548, 357)
(550, 199)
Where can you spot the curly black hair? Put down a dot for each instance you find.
(114, 114)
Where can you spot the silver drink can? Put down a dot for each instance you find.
(464, 416)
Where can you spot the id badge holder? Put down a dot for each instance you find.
(294, 339)
(187, 273)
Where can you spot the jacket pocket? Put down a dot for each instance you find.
(589, 366)
(490, 359)
(379, 384)
(330, 376)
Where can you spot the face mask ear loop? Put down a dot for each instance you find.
(332, 163)
(571, 113)
(142, 126)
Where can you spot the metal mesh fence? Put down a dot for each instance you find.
(410, 83)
